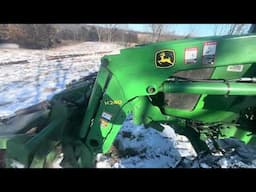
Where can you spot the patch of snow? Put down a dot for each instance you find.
(16, 164)
(142, 147)
(23, 84)
(9, 46)
(56, 163)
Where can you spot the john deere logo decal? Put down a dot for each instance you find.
(165, 58)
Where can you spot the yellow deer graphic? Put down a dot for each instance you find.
(163, 59)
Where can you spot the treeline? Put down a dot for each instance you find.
(96, 33)
(34, 36)
(44, 36)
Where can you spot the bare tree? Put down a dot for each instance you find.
(124, 38)
(110, 29)
(230, 29)
(221, 29)
(106, 30)
(100, 31)
(241, 29)
(191, 31)
(216, 28)
(123, 34)
(252, 28)
(33, 35)
(157, 30)
(4, 31)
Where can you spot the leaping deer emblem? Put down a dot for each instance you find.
(164, 58)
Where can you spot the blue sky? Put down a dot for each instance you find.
(182, 29)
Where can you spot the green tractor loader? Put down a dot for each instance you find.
(205, 88)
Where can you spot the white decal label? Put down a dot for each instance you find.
(209, 52)
(191, 55)
(235, 68)
(209, 48)
(106, 116)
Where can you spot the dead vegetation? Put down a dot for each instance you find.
(45, 36)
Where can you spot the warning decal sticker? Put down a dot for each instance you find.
(191, 55)
(105, 119)
(103, 123)
(106, 116)
(209, 52)
(235, 68)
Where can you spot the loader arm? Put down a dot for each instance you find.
(203, 87)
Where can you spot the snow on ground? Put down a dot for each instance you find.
(30, 76)
(148, 148)
(140, 147)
